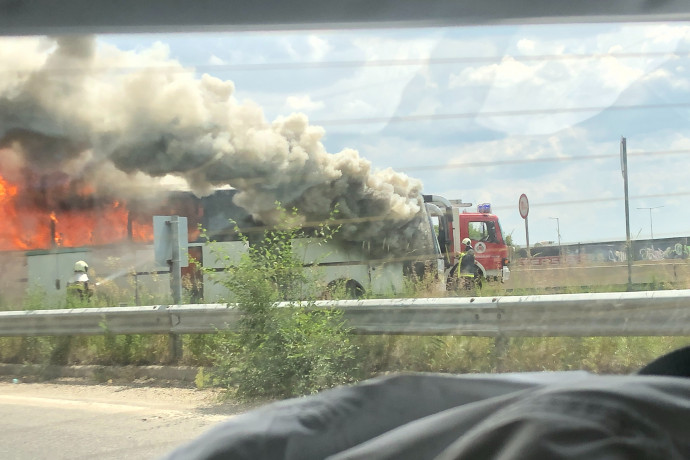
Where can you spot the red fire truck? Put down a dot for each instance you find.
(490, 248)
(482, 228)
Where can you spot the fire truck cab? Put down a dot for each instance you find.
(455, 223)
(490, 248)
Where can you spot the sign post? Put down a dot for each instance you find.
(523, 207)
(170, 244)
(628, 244)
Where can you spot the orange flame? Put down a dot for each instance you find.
(26, 226)
(6, 190)
(30, 221)
(53, 229)
(10, 238)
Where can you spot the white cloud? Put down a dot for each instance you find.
(215, 60)
(525, 45)
(554, 84)
(665, 34)
(617, 75)
(376, 90)
(319, 47)
(360, 108)
(289, 48)
(506, 74)
(303, 103)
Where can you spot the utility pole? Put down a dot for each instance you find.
(628, 244)
(558, 230)
(651, 227)
(523, 207)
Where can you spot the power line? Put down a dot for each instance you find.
(482, 164)
(498, 113)
(560, 159)
(312, 65)
(438, 61)
(487, 114)
(592, 200)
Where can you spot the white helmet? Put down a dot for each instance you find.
(467, 241)
(81, 266)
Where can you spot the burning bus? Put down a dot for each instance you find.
(122, 252)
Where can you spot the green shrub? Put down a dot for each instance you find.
(281, 349)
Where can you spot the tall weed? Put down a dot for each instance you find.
(287, 350)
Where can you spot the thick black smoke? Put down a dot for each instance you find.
(123, 121)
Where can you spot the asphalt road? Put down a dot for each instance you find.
(68, 420)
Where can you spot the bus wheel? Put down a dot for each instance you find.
(344, 289)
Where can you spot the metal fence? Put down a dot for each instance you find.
(649, 313)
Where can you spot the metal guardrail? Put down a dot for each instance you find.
(649, 313)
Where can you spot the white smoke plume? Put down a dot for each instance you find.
(121, 120)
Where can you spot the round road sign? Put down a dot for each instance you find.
(523, 206)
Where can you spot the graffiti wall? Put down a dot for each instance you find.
(611, 251)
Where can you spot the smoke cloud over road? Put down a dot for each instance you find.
(88, 115)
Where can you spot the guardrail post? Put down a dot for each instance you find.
(501, 343)
(174, 340)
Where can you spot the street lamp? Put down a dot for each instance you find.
(558, 230)
(651, 227)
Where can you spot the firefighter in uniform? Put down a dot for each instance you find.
(466, 266)
(78, 286)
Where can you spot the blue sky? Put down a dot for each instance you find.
(528, 106)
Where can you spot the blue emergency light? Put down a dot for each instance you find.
(484, 208)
